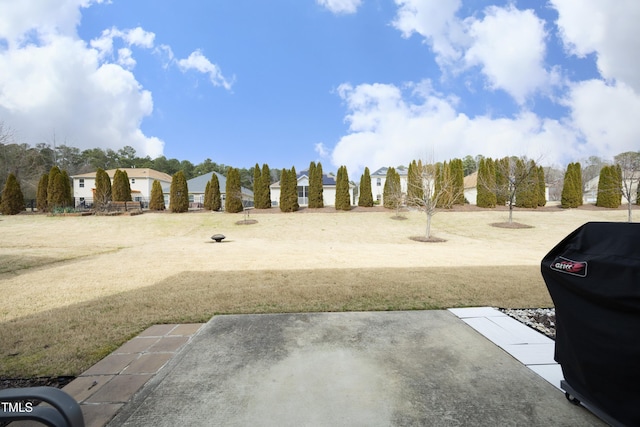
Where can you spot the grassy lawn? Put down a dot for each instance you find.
(76, 288)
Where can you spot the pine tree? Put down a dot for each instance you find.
(486, 196)
(233, 190)
(41, 195)
(542, 195)
(178, 193)
(265, 182)
(216, 198)
(103, 190)
(343, 201)
(365, 198)
(156, 202)
(12, 198)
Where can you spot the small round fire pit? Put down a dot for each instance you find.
(218, 237)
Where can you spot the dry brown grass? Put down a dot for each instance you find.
(75, 288)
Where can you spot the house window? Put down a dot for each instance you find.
(378, 182)
(81, 183)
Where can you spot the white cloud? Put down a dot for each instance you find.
(606, 28)
(197, 61)
(341, 6)
(386, 129)
(436, 21)
(54, 83)
(509, 46)
(606, 116)
(322, 150)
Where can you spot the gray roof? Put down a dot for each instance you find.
(402, 170)
(198, 184)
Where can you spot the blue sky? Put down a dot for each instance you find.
(346, 82)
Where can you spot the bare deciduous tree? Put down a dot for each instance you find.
(435, 188)
(629, 163)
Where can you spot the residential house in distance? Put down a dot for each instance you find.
(196, 187)
(379, 177)
(328, 190)
(140, 181)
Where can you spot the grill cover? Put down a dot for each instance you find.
(593, 277)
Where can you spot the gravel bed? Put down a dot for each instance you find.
(542, 320)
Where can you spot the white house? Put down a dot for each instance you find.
(140, 181)
(197, 186)
(379, 177)
(328, 190)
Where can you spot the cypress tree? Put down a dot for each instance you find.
(486, 195)
(542, 196)
(501, 167)
(577, 176)
(207, 196)
(365, 199)
(443, 187)
(233, 190)
(415, 189)
(293, 189)
(457, 175)
(313, 193)
(608, 188)
(68, 194)
(156, 203)
(527, 190)
(121, 191)
(391, 193)
(257, 186)
(41, 194)
(103, 189)
(55, 189)
(216, 199)
(265, 182)
(12, 198)
(569, 197)
(284, 190)
(178, 193)
(343, 201)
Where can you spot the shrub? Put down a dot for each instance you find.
(12, 198)
(179, 193)
(156, 203)
(233, 200)
(41, 194)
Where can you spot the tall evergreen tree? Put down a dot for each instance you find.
(316, 199)
(501, 167)
(41, 195)
(178, 193)
(156, 202)
(527, 191)
(121, 190)
(233, 190)
(392, 191)
(457, 173)
(577, 176)
(365, 198)
(571, 189)
(258, 197)
(289, 190)
(343, 201)
(609, 194)
(444, 185)
(68, 193)
(207, 196)
(265, 182)
(102, 193)
(12, 198)
(486, 184)
(55, 190)
(542, 194)
(216, 198)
